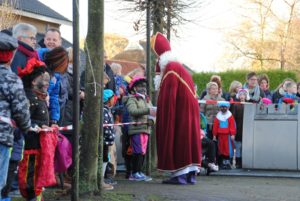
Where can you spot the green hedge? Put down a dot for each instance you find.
(275, 76)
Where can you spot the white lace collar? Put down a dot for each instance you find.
(223, 117)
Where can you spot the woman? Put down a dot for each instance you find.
(256, 94)
(211, 110)
(280, 90)
(235, 86)
(264, 84)
(217, 79)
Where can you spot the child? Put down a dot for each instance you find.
(57, 62)
(13, 103)
(139, 108)
(34, 166)
(290, 96)
(224, 129)
(208, 147)
(237, 111)
(108, 131)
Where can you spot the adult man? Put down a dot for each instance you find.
(26, 35)
(51, 40)
(13, 104)
(178, 121)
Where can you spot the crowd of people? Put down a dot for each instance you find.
(255, 90)
(36, 99)
(36, 96)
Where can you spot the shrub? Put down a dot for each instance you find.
(275, 76)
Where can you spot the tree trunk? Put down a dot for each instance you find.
(158, 24)
(157, 16)
(93, 99)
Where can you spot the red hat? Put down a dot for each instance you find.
(7, 46)
(6, 56)
(160, 45)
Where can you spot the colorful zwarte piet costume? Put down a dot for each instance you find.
(224, 127)
(177, 128)
(36, 169)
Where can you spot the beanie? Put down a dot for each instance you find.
(107, 94)
(57, 60)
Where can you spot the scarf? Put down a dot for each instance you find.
(27, 50)
(40, 95)
(254, 93)
(145, 97)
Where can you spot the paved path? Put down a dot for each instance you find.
(215, 188)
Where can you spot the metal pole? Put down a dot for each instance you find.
(149, 74)
(76, 70)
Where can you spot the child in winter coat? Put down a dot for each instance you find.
(57, 62)
(13, 106)
(237, 111)
(37, 167)
(225, 130)
(108, 131)
(139, 108)
(290, 96)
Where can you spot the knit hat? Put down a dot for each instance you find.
(160, 45)
(243, 91)
(223, 104)
(107, 94)
(7, 46)
(57, 60)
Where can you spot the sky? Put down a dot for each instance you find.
(200, 44)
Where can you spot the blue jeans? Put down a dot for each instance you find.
(4, 161)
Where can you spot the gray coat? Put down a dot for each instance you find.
(210, 111)
(13, 105)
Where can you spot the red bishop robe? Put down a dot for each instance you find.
(178, 128)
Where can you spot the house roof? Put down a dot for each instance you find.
(127, 66)
(36, 7)
(131, 55)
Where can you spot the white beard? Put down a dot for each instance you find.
(166, 58)
(157, 80)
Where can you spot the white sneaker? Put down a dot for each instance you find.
(213, 167)
(146, 178)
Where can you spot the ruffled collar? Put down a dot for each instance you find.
(223, 117)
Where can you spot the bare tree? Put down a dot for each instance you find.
(286, 33)
(8, 15)
(264, 38)
(166, 15)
